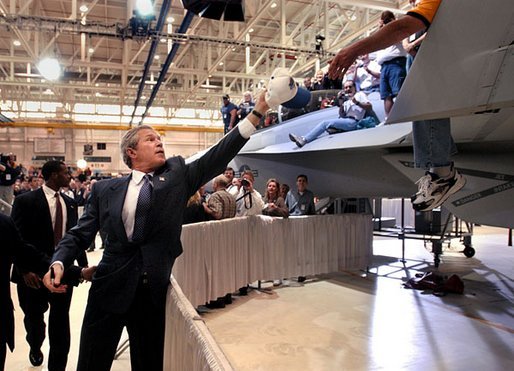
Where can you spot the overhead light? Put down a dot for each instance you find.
(91, 50)
(98, 94)
(170, 19)
(250, 30)
(156, 57)
(82, 164)
(16, 43)
(49, 68)
(221, 63)
(144, 7)
(274, 5)
(48, 91)
(209, 86)
(83, 8)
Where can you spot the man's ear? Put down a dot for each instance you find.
(131, 152)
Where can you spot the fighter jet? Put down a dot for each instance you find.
(464, 70)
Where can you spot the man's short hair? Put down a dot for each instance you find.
(249, 173)
(50, 167)
(302, 176)
(228, 168)
(221, 180)
(387, 16)
(130, 140)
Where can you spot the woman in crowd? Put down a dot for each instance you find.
(274, 203)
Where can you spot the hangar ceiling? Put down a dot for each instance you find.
(103, 58)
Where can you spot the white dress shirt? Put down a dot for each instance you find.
(128, 214)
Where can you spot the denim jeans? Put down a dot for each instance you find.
(346, 124)
(433, 143)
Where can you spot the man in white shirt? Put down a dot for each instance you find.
(42, 217)
(142, 216)
(353, 108)
(393, 72)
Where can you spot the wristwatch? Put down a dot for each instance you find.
(257, 113)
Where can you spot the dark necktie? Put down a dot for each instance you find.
(58, 220)
(142, 208)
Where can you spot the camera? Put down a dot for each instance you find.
(6, 157)
(245, 183)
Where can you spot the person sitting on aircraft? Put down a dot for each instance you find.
(353, 107)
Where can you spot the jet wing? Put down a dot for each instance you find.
(465, 64)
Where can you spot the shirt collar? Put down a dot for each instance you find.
(137, 175)
(49, 192)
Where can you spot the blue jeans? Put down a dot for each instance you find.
(346, 124)
(433, 143)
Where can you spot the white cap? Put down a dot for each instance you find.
(282, 89)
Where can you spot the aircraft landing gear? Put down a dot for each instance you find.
(468, 251)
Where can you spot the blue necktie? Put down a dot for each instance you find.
(142, 208)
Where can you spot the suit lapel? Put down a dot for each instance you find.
(115, 201)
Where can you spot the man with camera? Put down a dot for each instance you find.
(249, 201)
(8, 174)
(353, 106)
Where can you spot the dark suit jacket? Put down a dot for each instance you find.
(31, 215)
(123, 262)
(12, 249)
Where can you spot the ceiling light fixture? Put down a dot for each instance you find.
(49, 68)
(91, 50)
(83, 8)
(274, 5)
(16, 43)
(144, 7)
(170, 19)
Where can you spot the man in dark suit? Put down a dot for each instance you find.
(13, 249)
(141, 215)
(42, 216)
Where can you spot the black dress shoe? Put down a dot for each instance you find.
(36, 357)
(216, 304)
(243, 291)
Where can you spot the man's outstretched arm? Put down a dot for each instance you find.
(388, 35)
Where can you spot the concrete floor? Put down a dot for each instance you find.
(356, 321)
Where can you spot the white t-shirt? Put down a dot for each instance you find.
(391, 52)
(354, 110)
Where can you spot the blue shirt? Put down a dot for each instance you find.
(225, 112)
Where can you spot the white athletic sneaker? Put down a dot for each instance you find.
(433, 191)
(300, 142)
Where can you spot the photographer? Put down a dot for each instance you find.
(8, 174)
(249, 201)
(353, 107)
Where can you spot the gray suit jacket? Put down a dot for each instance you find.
(115, 281)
